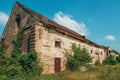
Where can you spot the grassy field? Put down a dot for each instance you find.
(104, 72)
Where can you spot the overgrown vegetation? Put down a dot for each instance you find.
(111, 60)
(26, 67)
(2, 55)
(77, 57)
(103, 72)
(18, 66)
(97, 63)
(118, 58)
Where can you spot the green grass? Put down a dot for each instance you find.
(104, 72)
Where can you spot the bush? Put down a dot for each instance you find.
(118, 58)
(77, 57)
(97, 63)
(18, 66)
(13, 71)
(30, 64)
(110, 61)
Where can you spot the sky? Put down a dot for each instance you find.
(98, 20)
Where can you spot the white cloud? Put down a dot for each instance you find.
(67, 21)
(3, 18)
(110, 38)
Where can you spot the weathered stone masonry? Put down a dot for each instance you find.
(48, 38)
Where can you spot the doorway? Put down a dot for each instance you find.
(57, 66)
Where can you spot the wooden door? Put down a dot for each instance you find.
(57, 65)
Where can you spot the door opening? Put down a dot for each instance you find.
(57, 66)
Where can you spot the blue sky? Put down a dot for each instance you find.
(99, 20)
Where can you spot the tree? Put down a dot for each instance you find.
(77, 57)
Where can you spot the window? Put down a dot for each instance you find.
(18, 21)
(57, 44)
(91, 51)
(97, 53)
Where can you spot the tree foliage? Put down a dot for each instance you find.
(18, 66)
(77, 57)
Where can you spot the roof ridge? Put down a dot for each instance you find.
(45, 20)
(48, 21)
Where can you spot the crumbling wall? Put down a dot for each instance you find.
(45, 46)
(19, 19)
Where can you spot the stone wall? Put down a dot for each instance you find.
(45, 46)
(41, 36)
(18, 19)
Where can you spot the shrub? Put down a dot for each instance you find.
(18, 66)
(118, 58)
(30, 64)
(13, 71)
(97, 63)
(110, 61)
(77, 57)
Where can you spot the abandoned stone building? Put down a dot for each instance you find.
(48, 38)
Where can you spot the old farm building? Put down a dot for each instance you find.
(48, 38)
